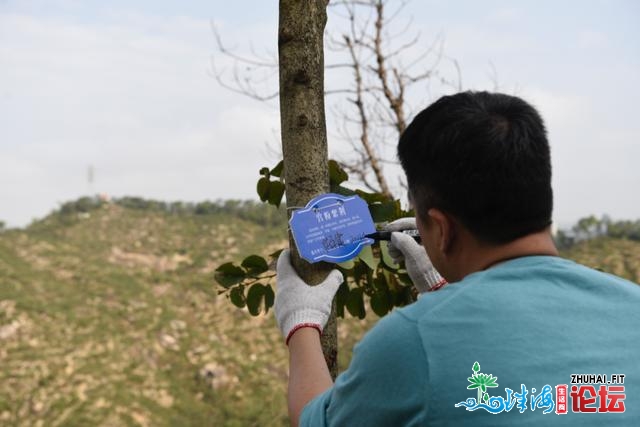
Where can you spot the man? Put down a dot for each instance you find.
(496, 345)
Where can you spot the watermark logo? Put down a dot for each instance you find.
(588, 393)
(481, 382)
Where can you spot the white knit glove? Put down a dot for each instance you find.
(299, 305)
(403, 247)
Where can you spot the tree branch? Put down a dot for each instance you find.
(364, 126)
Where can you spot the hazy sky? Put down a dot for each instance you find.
(126, 87)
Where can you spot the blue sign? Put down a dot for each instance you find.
(332, 228)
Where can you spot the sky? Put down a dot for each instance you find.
(126, 89)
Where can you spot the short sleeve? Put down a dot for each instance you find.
(386, 383)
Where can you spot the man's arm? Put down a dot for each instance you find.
(308, 372)
(302, 312)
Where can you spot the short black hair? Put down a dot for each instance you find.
(483, 158)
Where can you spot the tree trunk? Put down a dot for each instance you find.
(303, 128)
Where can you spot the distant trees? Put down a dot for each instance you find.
(624, 229)
(591, 227)
(256, 212)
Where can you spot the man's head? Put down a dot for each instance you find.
(482, 159)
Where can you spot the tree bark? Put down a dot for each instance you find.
(303, 128)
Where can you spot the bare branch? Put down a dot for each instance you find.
(455, 63)
(339, 91)
(493, 77)
(349, 3)
(240, 82)
(404, 30)
(414, 79)
(364, 126)
(382, 58)
(333, 66)
(394, 102)
(438, 41)
(456, 85)
(395, 14)
(239, 87)
(403, 47)
(231, 54)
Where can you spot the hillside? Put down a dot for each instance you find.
(617, 256)
(111, 317)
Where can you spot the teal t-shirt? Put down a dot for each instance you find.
(529, 323)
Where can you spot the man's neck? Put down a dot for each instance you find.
(482, 256)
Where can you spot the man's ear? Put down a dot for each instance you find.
(446, 229)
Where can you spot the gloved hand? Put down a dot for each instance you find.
(403, 247)
(298, 305)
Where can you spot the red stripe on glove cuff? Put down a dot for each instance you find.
(300, 326)
(438, 285)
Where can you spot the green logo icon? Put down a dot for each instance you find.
(481, 382)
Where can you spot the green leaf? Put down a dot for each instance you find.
(237, 296)
(254, 298)
(339, 189)
(476, 367)
(362, 273)
(276, 254)
(265, 172)
(276, 191)
(380, 303)
(385, 211)
(404, 296)
(337, 175)
(263, 188)
(341, 298)
(277, 170)
(355, 303)
(229, 274)
(269, 298)
(258, 295)
(347, 265)
(366, 255)
(404, 279)
(380, 283)
(255, 264)
(391, 279)
(386, 258)
(381, 299)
